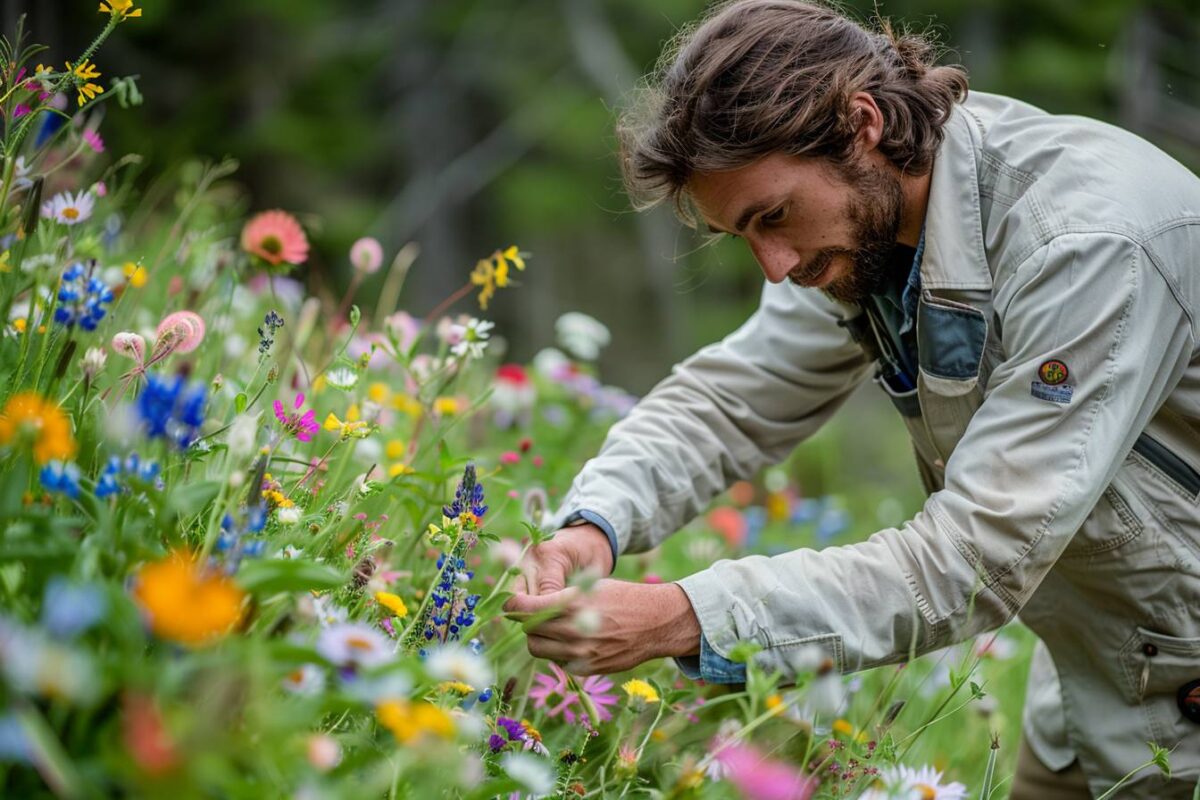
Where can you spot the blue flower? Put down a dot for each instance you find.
(82, 298)
(58, 476)
(467, 497)
(69, 609)
(110, 481)
(171, 411)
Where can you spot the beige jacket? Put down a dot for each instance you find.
(1059, 440)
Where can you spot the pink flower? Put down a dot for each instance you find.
(366, 255)
(275, 237)
(553, 693)
(759, 778)
(303, 426)
(21, 110)
(180, 332)
(93, 140)
(130, 345)
(403, 328)
(510, 457)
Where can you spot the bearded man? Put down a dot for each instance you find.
(1022, 286)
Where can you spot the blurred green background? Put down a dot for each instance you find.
(467, 125)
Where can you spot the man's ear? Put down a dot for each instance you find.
(868, 122)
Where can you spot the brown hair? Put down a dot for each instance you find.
(756, 77)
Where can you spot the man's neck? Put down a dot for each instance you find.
(915, 191)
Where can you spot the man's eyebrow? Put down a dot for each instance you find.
(743, 220)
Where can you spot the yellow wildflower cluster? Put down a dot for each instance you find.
(136, 274)
(458, 687)
(276, 499)
(410, 722)
(40, 423)
(186, 603)
(639, 691)
(84, 74)
(349, 428)
(492, 272)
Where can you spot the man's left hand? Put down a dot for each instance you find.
(614, 626)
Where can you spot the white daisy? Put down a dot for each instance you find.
(342, 378)
(453, 662)
(582, 335)
(471, 338)
(69, 209)
(905, 783)
(288, 516)
(307, 679)
(353, 644)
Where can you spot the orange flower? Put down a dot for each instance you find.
(186, 603)
(275, 237)
(28, 415)
(410, 722)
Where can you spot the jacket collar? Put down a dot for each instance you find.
(954, 255)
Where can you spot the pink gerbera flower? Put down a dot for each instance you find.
(554, 693)
(275, 237)
(303, 426)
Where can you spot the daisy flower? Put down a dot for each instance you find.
(582, 335)
(306, 679)
(453, 662)
(905, 783)
(354, 644)
(302, 426)
(470, 339)
(534, 775)
(276, 238)
(553, 693)
(69, 209)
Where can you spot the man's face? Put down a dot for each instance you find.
(832, 228)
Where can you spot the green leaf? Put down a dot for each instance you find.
(355, 316)
(977, 691)
(193, 497)
(1161, 759)
(268, 576)
(742, 652)
(239, 402)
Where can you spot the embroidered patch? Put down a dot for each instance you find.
(1053, 372)
(1055, 394)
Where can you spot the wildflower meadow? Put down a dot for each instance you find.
(257, 543)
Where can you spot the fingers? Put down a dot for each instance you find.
(555, 650)
(555, 603)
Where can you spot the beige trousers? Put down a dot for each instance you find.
(1035, 781)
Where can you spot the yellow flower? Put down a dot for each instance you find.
(276, 499)
(136, 274)
(446, 406)
(120, 8)
(492, 272)
(845, 728)
(533, 733)
(348, 428)
(410, 722)
(318, 384)
(392, 603)
(455, 686)
(20, 324)
(84, 74)
(774, 703)
(640, 692)
(379, 392)
(185, 603)
(400, 469)
(406, 404)
(41, 422)
(395, 449)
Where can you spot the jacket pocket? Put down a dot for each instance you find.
(1156, 666)
(1172, 467)
(1112, 524)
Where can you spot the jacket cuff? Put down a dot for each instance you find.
(710, 666)
(600, 522)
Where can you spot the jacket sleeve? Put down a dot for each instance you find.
(722, 415)
(1019, 484)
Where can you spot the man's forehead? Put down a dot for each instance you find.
(728, 200)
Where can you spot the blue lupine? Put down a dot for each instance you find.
(171, 411)
(82, 298)
(467, 497)
(59, 476)
(110, 481)
(237, 541)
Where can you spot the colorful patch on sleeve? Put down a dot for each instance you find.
(1055, 394)
(1053, 372)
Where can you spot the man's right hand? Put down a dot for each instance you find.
(547, 566)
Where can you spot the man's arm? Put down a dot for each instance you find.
(1019, 484)
(723, 414)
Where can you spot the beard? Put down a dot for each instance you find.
(874, 214)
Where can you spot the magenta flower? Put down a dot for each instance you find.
(759, 778)
(553, 693)
(302, 426)
(21, 110)
(93, 140)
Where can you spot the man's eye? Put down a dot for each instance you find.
(775, 216)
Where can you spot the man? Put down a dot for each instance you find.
(1023, 286)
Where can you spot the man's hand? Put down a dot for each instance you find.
(614, 627)
(545, 568)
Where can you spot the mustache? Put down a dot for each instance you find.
(805, 274)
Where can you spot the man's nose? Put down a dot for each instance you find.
(775, 258)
